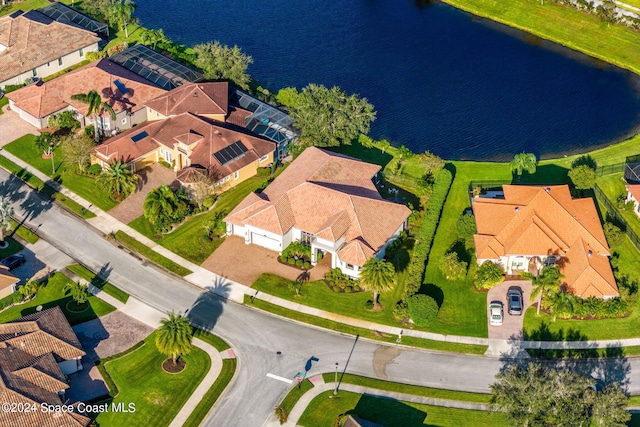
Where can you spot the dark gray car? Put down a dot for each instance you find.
(14, 261)
(514, 300)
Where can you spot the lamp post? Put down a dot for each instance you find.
(335, 391)
(53, 165)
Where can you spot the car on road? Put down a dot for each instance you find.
(514, 299)
(496, 313)
(14, 261)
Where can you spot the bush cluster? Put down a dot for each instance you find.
(422, 308)
(264, 171)
(488, 275)
(339, 281)
(9, 300)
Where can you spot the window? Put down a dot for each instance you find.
(157, 114)
(264, 158)
(48, 64)
(60, 61)
(168, 156)
(227, 178)
(34, 72)
(350, 266)
(81, 52)
(236, 175)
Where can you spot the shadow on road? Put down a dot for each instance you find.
(206, 310)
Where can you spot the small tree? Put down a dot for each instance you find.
(94, 101)
(466, 227)
(404, 153)
(77, 150)
(609, 407)
(174, 336)
(615, 236)
(607, 12)
(45, 143)
(29, 290)
(583, 176)
(120, 12)
(431, 162)
(523, 162)
(218, 61)
(153, 37)
(377, 276)
(288, 97)
(6, 210)
(452, 267)
(119, 180)
(78, 291)
(488, 275)
(546, 284)
(422, 309)
(201, 187)
(64, 120)
(281, 413)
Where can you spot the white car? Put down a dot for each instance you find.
(496, 313)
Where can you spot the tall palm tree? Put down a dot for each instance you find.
(120, 12)
(152, 37)
(377, 276)
(160, 202)
(118, 179)
(94, 101)
(546, 284)
(523, 162)
(6, 210)
(174, 336)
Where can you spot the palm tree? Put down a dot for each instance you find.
(384, 145)
(546, 284)
(174, 336)
(160, 202)
(45, 142)
(120, 12)
(94, 101)
(6, 210)
(152, 37)
(377, 276)
(523, 162)
(118, 179)
(404, 153)
(78, 291)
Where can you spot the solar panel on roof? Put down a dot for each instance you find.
(121, 87)
(137, 137)
(230, 153)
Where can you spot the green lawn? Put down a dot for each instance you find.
(23, 232)
(564, 25)
(11, 249)
(157, 395)
(50, 294)
(3, 101)
(105, 286)
(150, 254)
(189, 240)
(613, 186)
(324, 409)
(27, 5)
(84, 186)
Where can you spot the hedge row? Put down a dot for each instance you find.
(10, 300)
(418, 263)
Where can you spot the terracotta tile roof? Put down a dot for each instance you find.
(31, 375)
(33, 39)
(634, 189)
(533, 220)
(238, 116)
(6, 278)
(356, 252)
(588, 274)
(206, 137)
(330, 196)
(43, 99)
(196, 98)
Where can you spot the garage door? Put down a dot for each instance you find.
(265, 242)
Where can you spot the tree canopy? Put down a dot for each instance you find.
(119, 180)
(377, 276)
(583, 176)
(174, 336)
(330, 117)
(523, 162)
(6, 210)
(218, 61)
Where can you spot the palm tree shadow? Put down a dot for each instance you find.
(208, 307)
(32, 203)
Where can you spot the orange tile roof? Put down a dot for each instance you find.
(197, 98)
(533, 220)
(205, 138)
(330, 196)
(41, 100)
(7, 279)
(634, 189)
(33, 39)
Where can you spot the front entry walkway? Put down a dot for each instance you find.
(148, 178)
(244, 263)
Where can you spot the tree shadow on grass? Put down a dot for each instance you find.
(434, 291)
(102, 276)
(388, 412)
(549, 174)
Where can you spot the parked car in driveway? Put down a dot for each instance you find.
(496, 313)
(514, 299)
(14, 261)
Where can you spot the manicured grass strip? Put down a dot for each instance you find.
(150, 254)
(365, 333)
(26, 234)
(577, 30)
(157, 395)
(436, 393)
(100, 364)
(212, 395)
(45, 189)
(50, 294)
(295, 394)
(105, 286)
(217, 342)
(13, 248)
(325, 408)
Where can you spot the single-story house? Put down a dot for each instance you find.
(34, 45)
(228, 153)
(526, 227)
(36, 353)
(125, 91)
(327, 201)
(633, 195)
(8, 282)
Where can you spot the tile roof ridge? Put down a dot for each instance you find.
(355, 215)
(554, 236)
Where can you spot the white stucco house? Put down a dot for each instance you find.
(327, 201)
(633, 195)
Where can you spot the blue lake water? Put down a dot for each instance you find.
(440, 79)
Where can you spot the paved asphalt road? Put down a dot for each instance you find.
(255, 336)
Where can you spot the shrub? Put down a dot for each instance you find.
(263, 171)
(89, 131)
(614, 235)
(452, 267)
(116, 49)
(356, 287)
(94, 56)
(368, 305)
(583, 176)
(291, 261)
(319, 256)
(337, 288)
(297, 249)
(306, 264)
(488, 275)
(466, 227)
(299, 262)
(348, 289)
(209, 201)
(400, 311)
(11, 88)
(422, 308)
(94, 169)
(165, 164)
(9, 300)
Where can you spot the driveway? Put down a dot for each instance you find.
(13, 127)
(103, 337)
(511, 327)
(149, 178)
(244, 263)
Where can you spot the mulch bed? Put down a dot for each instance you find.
(173, 368)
